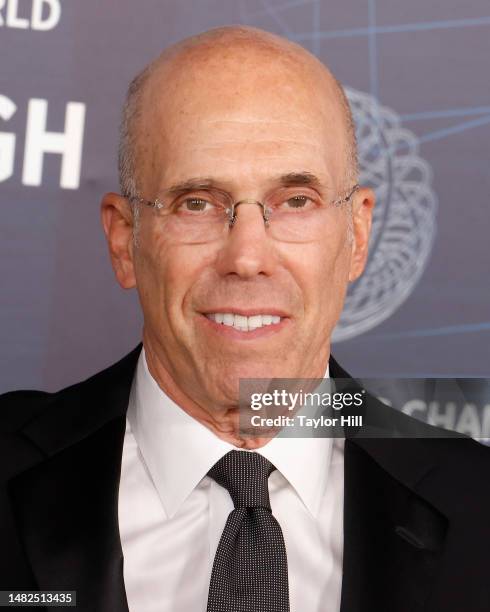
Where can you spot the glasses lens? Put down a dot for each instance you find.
(197, 217)
(297, 216)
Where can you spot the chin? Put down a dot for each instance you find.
(228, 382)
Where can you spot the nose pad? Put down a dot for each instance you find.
(265, 211)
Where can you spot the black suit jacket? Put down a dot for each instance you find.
(416, 511)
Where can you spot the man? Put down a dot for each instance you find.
(240, 223)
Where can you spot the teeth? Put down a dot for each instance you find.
(243, 323)
(255, 321)
(228, 319)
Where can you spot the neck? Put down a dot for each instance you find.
(223, 421)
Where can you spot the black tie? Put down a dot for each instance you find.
(250, 570)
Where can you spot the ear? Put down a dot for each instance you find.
(117, 221)
(362, 213)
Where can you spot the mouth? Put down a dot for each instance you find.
(242, 323)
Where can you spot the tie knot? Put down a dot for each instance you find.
(245, 475)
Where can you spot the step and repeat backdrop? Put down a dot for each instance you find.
(416, 74)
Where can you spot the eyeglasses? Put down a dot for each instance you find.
(291, 214)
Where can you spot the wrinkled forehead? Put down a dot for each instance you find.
(243, 107)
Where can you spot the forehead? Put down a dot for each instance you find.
(241, 116)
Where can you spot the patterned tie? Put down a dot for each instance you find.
(250, 570)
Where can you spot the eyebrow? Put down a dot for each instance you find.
(290, 179)
(193, 184)
(300, 178)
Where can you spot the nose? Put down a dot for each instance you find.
(247, 250)
(263, 209)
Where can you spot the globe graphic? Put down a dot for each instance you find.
(404, 218)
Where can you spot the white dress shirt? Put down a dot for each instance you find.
(172, 515)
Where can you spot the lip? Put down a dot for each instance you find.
(228, 331)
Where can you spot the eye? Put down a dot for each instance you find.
(194, 205)
(298, 202)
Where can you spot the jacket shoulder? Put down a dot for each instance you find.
(466, 459)
(108, 388)
(18, 407)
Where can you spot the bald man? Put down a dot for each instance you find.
(240, 222)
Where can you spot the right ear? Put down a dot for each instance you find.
(117, 221)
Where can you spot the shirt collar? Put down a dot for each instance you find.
(179, 451)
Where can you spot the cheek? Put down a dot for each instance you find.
(322, 270)
(150, 282)
(182, 267)
(166, 272)
(153, 272)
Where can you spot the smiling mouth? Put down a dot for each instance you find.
(245, 323)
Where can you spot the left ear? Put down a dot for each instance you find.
(362, 213)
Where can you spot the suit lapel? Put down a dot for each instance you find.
(66, 505)
(393, 535)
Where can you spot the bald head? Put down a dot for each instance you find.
(228, 66)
